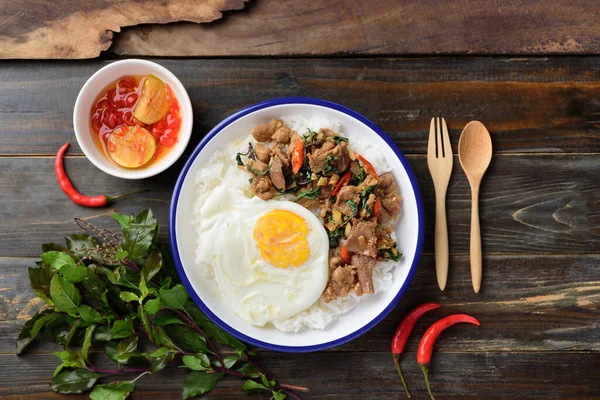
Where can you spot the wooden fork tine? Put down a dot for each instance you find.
(440, 151)
(431, 144)
(446, 139)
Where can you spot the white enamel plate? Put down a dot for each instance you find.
(409, 228)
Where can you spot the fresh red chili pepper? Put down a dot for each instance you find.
(377, 208)
(368, 166)
(403, 332)
(345, 254)
(67, 186)
(343, 180)
(297, 156)
(430, 336)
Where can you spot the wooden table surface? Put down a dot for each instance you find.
(540, 200)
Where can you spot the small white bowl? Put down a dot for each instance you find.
(97, 83)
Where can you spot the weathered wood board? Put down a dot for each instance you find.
(530, 105)
(82, 29)
(358, 376)
(64, 29)
(379, 27)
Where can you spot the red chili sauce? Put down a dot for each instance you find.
(114, 108)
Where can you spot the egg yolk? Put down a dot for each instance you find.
(281, 238)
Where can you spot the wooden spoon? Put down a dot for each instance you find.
(475, 154)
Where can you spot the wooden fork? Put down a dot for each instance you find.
(440, 159)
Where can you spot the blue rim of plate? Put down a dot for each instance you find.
(173, 214)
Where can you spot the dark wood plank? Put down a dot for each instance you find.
(325, 27)
(530, 204)
(360, 376)
(529, 105)
(67, 29)
(554, 308)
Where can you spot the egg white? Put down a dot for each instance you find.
(255, 290)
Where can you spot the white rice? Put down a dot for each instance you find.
(222, 166)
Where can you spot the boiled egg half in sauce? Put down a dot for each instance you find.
(270, 258)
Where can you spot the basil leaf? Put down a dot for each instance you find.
(76, 380)
(164, 320)
(122, 328)
(123, 220)
(310, 194)
(249, 371)
(40, 280)
(135, 357)
(152, 306)
(143, 290)
(110, 348)
(169, 265)
(94, 286)
(161, 338)
(212, 330)
(144, 318)
(56, 329)
(32, 327)
(71, 332)
(139, 234)
(88, 314)
(251, 387)
(65, 295)
(187, 339)
(124, 277)
(102, 333)
(57, 259)
(264, 380)
(174, 298)
(198, 362)
(87, 342)
(64, 264)
(128, 296)
(160, 358)
(152, 266)
(329, 165)
(67, 356)
(338, 139)
(112, 391)
(127, 345)
(353, 206)
(70, 359)
(80, 245)
(198, 383)
(126, 348)
(278, 395)
(230, 361)
(335, 236)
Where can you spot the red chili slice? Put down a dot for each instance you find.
(131, 99)
(345, 254)
(343, 181)
(297, 156)
(368, 166)
(377, 208)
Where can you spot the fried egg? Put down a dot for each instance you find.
(270, 258)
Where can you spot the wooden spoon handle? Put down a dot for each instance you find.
(476, 262)
(441, 240)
